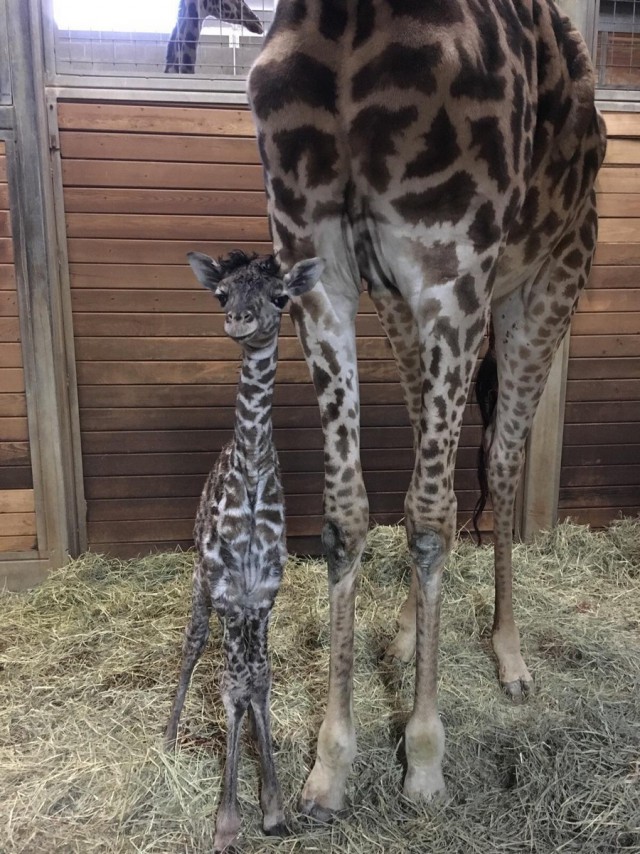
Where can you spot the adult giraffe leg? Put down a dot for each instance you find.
(448, 341)
(327, 333)
(529, 325)
(398, 323)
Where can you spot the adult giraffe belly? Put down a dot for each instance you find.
(377, 169)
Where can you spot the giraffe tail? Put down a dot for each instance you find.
(487, 398)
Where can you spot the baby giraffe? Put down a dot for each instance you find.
(240, 527)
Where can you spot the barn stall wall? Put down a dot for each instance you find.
(600, 475)
(42, 511)
(129, 381)
(156, 376)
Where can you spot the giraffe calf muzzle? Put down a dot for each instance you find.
(240, 330)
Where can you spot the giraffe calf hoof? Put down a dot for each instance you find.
(222, 845)
(279, 829)
(170, 740)
(518, 690)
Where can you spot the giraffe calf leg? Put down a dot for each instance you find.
(273, 819)
(195, 640)
(228, 814)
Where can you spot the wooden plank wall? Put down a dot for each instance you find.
(17, 508)
(619, 60)
(142, 186)
(600, 475)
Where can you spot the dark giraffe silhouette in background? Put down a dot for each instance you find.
(183, 42)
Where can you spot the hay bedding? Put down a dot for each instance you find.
(88, 666)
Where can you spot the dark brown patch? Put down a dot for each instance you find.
(333, 18)
(487, 137)
(441, 148)
(321, 379)
(434, 12)
(288, 202)
(365, 22)
(465, 292)
(484, 230)
(316, 147)
(448, 202)
(478, 77)
(288, 16)
(401, 67)
(371, 139)
(297, 79)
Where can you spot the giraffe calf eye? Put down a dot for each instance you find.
(222, 297)
(280, 301)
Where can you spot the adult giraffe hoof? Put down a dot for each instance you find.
(316, 811)
(424, 784)
(401, 650)
(518, 690)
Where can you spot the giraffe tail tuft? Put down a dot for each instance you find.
(487, 398)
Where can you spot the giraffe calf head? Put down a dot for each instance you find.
(253, 292)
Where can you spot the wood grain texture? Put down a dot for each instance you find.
(619, 204)
(83, 145)
(626, 125)
(7, 277)
(238, 229)
(132, 251)
(17, 543)
(160, 175)
(601, 450)
(132, 118)
(12, 404)
(98, 200)
(18, 524)
(17, 501)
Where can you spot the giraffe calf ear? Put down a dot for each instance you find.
(303, 276)
(207, 271)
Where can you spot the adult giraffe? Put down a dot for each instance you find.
(183, 41)
(445, 152)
